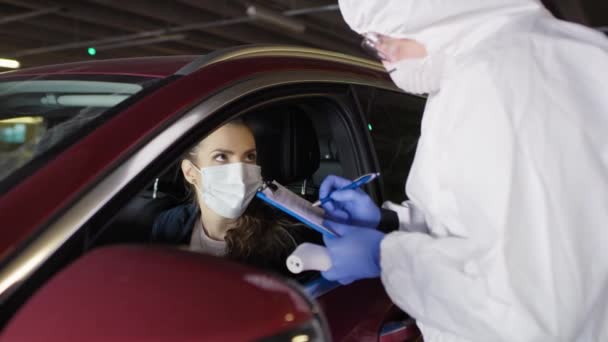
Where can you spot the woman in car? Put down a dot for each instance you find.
(224, 219)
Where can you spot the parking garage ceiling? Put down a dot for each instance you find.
(38, 32)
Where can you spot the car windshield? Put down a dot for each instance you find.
(40, 116)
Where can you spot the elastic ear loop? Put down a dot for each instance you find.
(199, 171)
(192, 152)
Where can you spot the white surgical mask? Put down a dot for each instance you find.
(419, 75)
(228, 189)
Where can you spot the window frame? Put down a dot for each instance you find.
(337, 96)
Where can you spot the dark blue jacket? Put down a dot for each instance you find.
(174, 226)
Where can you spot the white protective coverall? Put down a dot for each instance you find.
(505, 235)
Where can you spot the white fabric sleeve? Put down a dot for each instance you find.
(411, 218)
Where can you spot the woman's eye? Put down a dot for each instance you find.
(252, 157)
(220, 157)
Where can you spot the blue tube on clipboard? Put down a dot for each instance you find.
(295, 206)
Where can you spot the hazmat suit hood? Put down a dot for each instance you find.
(440, 25)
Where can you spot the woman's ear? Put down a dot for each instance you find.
(189, 171)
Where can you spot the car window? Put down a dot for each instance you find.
(38, 114)
(394, 125)
(296, 146)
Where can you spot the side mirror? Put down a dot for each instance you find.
(144, 293)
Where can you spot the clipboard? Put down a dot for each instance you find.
(295, 206)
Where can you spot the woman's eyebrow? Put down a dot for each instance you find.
(222, 151)
(253, 150)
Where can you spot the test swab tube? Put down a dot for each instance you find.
(308, 257)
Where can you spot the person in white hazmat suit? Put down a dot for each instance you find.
(505, 233)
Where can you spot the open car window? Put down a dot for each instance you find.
(299, 142)
(44, 115)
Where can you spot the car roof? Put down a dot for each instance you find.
(160, 67)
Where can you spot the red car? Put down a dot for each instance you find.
(87, 160)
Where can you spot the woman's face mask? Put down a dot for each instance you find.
(228, 189)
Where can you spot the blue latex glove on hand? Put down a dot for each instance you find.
(350, 206)
(354, 255)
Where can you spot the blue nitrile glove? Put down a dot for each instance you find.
(350, 206)
(354, 255)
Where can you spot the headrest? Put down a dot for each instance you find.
(288, 150)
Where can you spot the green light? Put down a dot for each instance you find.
(92, 51)
(369, 126)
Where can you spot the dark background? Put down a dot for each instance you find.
(38, 32)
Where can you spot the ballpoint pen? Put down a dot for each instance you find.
(353, 185)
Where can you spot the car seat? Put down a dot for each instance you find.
(288, 147)
(329, 163)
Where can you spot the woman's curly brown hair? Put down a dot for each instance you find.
(261, 237)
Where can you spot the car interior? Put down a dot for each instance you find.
(295, 147)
